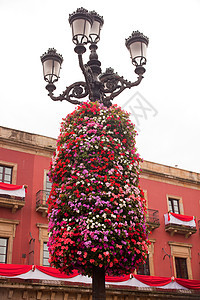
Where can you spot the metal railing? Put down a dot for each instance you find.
(41, 198)
(152, 216)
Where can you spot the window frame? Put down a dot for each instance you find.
(2, 254)
(144, 269)
(178, 260)
(151, 257)
(14, 169)
(180, 201)
(4, 174)
(7, 230)
(174, 208)
(47, 191)
(43, 238)
(181, 250)
(45, 251)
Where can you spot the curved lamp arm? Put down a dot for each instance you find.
(76, 90)
(113, 84)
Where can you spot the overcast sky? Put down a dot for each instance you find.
(166, 105)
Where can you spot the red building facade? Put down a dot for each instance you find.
(175, 239)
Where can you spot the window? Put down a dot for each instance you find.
(3, 250)
(174, 205)
(5, 174)
(181, 267)
(144, 268)
(48, 186)
(43, 238)
(181, 257)
(45, 255)
(7, 234)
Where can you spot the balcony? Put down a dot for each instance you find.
(41, 202)
(180, 224)
(12, 196)
(152, 219)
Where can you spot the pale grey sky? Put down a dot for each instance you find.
(168, 130)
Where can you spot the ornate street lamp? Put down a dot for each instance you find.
(98, 86)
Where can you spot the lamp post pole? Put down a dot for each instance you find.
(98, 86)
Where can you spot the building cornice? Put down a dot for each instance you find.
(171, 175)
(26, 142)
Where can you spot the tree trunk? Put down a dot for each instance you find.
(98, 284)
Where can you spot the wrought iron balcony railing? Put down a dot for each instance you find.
(41, 201)
(152, 218)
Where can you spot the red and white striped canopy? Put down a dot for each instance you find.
(12, 190)
(172, 218)
(47, 273)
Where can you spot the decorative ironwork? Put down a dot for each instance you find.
(153, 216)
(113, 84)
(137, 36)
(95, 15)
(76, 90)
(41, 198)
(103, 88)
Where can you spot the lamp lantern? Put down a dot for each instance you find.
(51, 61)
(81, 23)
(137, 44)
(96, 27)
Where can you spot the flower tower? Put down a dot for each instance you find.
(96, 207)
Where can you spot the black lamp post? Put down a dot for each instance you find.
(102, 87)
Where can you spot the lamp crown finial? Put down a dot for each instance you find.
(137, 36)
(80, 12)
